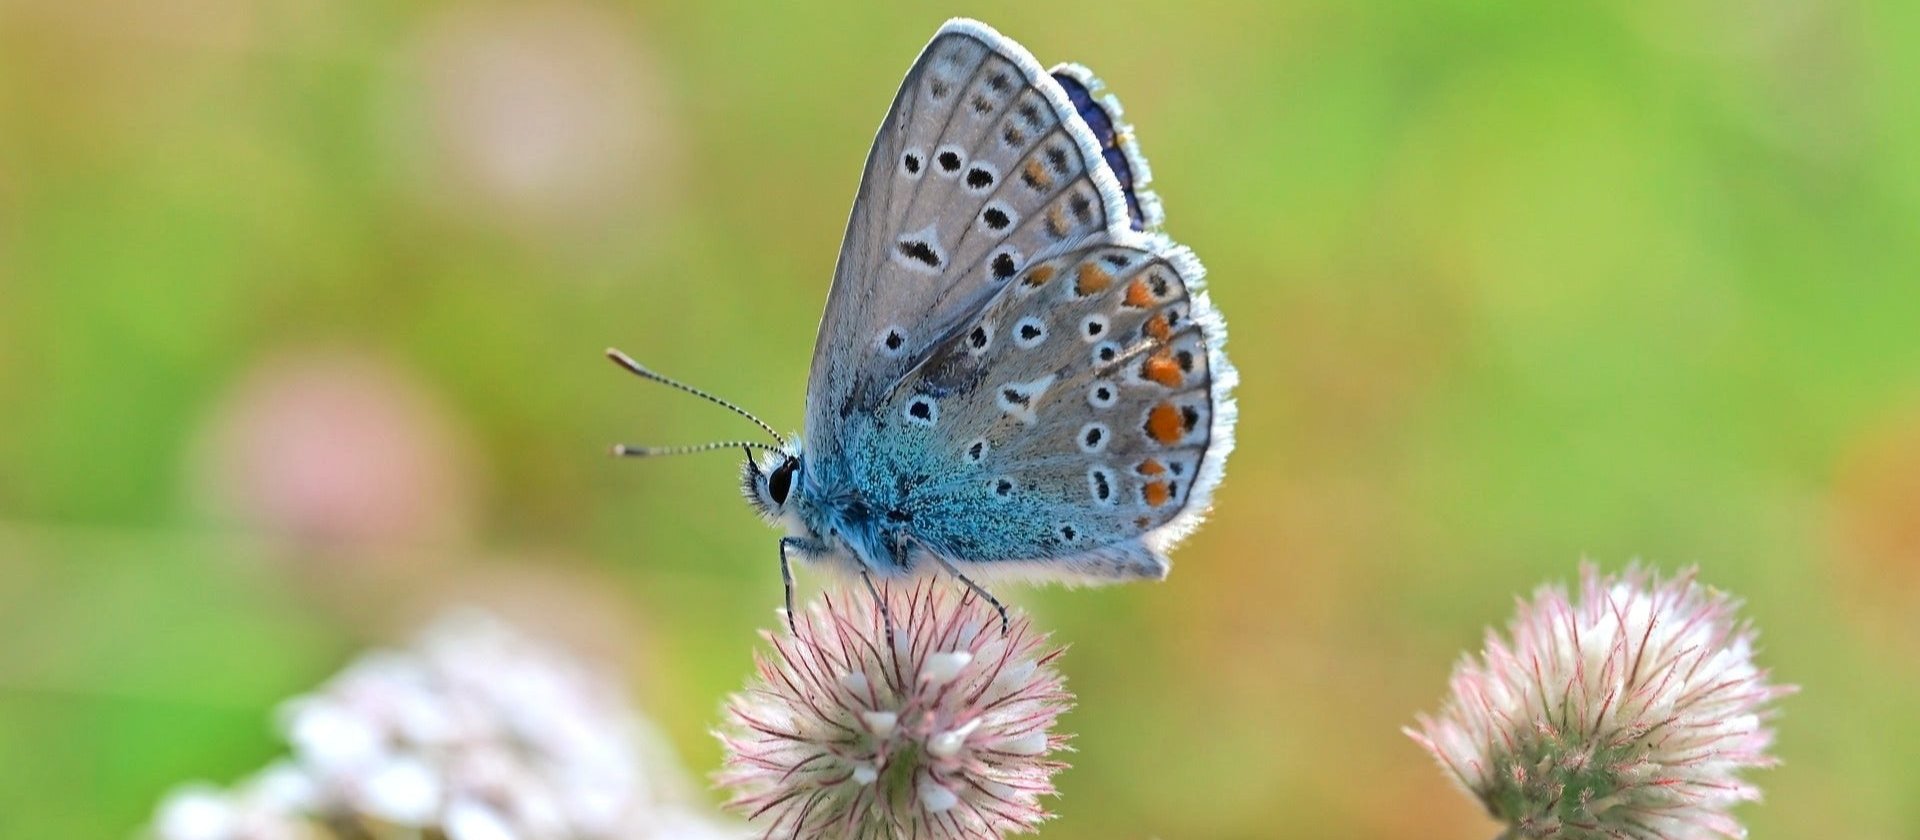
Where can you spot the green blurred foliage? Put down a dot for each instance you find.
(1510, 285)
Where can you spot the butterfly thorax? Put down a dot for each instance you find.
(862, 509)
(827, 516)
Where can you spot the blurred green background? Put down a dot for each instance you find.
(302, 302)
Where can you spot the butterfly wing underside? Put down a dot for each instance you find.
(973, 173)
(997, 304)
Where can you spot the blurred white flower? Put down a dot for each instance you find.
(945, 734)
(475, 733)
(203, 812)
(1628, 713)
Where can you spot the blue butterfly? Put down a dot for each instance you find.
(1016, 375)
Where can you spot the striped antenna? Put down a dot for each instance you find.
(643, 372)
(628, 450)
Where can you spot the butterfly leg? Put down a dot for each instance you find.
(805, 546)
(977, 590)
(886, 615)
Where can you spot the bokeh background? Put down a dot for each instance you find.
(302, 302)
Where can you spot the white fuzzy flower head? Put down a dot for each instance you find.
(1627, 714)
(473, 733)
(947, 734)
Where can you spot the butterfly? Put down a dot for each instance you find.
(1016, 375)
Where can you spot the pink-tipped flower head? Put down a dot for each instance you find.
(1628, 713)
(945, 733)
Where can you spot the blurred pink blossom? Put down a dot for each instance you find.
(548, 113)
(1627, 714)
(336, 450)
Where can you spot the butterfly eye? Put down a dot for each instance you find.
(780, 481)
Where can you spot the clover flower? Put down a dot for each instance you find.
(944, 733)
(1628, 713)
(474, 733)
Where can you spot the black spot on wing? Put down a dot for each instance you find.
(1030, 113)
(1003, 267)
(1057, 160)
(1082, 208)
(920, 252)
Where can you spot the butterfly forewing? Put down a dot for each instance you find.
(981, 167)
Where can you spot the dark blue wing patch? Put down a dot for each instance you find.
(1097, 118)
(1090, 110)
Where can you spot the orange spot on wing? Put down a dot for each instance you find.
(1093, 279)
(1161, 368)
(1156, 493)
(1037, 174)
(1163, 424)
(1039, 276)
(1158, 327)
(1057, 220)
(1150, 467)
(1138, 295)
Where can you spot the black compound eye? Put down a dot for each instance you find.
(780, 481)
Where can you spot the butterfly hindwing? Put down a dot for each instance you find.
(1082, 416)
(981, 167)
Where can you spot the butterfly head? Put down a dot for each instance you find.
(772, 483)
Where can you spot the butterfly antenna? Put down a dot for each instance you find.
(628, 450)
(643, 372)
